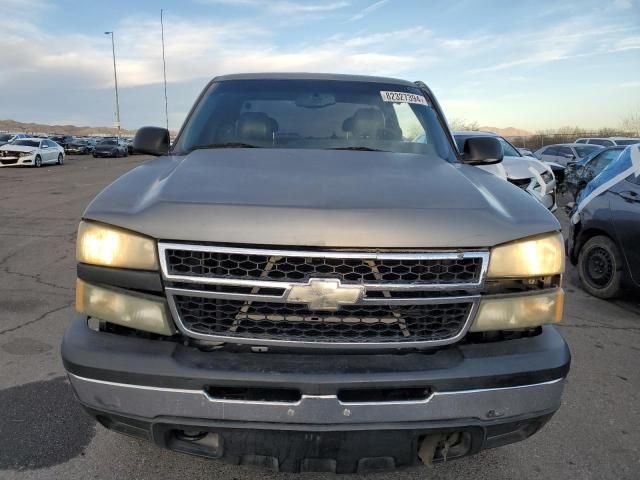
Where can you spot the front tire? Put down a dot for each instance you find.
(60, 159)
(600, 267)
(38, 161)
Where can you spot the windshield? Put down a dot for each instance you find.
(585, 150)
(27, 143)
(315, 114)
(627, 142)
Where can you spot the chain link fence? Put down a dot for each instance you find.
(536, 141)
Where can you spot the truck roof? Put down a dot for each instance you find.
(311, 76)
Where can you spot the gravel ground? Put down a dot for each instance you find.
(44, 433)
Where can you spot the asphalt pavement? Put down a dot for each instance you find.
(45, 434)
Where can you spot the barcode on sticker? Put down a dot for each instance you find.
(403, 97)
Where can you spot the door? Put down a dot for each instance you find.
(56, 151)
(45, 151)
(51, 153)
(624, 200)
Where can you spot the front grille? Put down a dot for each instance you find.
(12, 161)
(296, 323)
(216, 264)
(245, 295)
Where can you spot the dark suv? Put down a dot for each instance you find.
(299, 284)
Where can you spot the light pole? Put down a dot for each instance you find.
(164, 70)
(115, 78)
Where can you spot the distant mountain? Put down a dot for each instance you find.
(39, 128)
(508, 131)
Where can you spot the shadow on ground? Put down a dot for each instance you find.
(41, 425)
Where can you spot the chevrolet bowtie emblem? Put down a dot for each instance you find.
(325, 294)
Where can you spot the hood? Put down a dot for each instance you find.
(17, 148)
(519, 167)
(295, 197)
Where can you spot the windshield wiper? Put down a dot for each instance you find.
(223, 145)
(361, 149)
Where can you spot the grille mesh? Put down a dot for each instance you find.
(290, 268)
(350, 324)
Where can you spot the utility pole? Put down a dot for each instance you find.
(164, 69)
(115, 78)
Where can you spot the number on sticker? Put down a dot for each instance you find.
(403, 97)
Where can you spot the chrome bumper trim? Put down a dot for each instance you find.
(481, 404)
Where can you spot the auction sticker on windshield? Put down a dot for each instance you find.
(403, 97)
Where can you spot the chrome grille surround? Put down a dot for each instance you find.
(272, 294)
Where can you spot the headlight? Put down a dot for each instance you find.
(547, 177)
(111, 247)
(25, 154)
(519, 311)
(531, 257)
(131, 311)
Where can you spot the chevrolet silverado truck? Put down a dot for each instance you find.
(296, 284)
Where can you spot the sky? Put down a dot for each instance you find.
(535, 65)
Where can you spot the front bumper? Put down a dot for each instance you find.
(497, 393)
(17, 161)
(104, 154)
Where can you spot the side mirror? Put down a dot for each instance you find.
(482, 151)
(45, 146)
(152, 140)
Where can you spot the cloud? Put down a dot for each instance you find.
(623, 4)
(366, 11)
(282, 6)
(625, 85)
(573, 38)
(79, 68)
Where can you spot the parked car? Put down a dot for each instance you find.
(603, 241)
(62, 140)
(563, 153)
(11, 137)
(33, 152)
(527, 173)
(579, 173)
(625, 140)
(80, 146)
(610, 141)
(224, 289)
(110, 148)
(129, 143)
(525, 152)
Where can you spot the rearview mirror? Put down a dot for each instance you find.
(482, 151)
(152, 140)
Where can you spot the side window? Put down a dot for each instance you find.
(551, 151)
(507, 149)
(565, 151)
(599, 162)
(603, 142)
(581, 140)
(408, 122)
